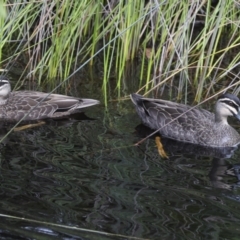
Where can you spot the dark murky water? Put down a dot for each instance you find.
(68, 179)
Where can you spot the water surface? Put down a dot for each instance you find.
(89, 175)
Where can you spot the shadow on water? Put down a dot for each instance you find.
(88, 174)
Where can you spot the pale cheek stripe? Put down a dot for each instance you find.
(225, 102)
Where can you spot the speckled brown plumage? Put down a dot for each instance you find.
(196, 126)
(37, 105)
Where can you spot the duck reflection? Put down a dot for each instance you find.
(6, 128)
(220, 168)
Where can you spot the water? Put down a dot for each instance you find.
(66, 179)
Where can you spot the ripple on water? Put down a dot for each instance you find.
(89, 174)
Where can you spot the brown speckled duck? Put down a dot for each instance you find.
(197, 126)
(37, 105)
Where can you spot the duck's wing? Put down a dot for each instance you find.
(42, 105)
(174, 120)
(62, 101)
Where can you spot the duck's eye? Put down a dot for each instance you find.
(231, 104)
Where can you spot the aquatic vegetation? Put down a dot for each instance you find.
(189, 45)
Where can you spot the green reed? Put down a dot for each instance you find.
(186, 46)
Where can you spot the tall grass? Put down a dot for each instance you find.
(185, 46)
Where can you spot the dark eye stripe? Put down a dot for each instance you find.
(3, 82)
(230, 103)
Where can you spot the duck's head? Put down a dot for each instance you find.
(227, 105)
(5, 89)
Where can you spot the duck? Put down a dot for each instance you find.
(184, 123)
(34, 105)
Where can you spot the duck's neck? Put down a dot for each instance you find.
(4, 100)
(220, 118)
